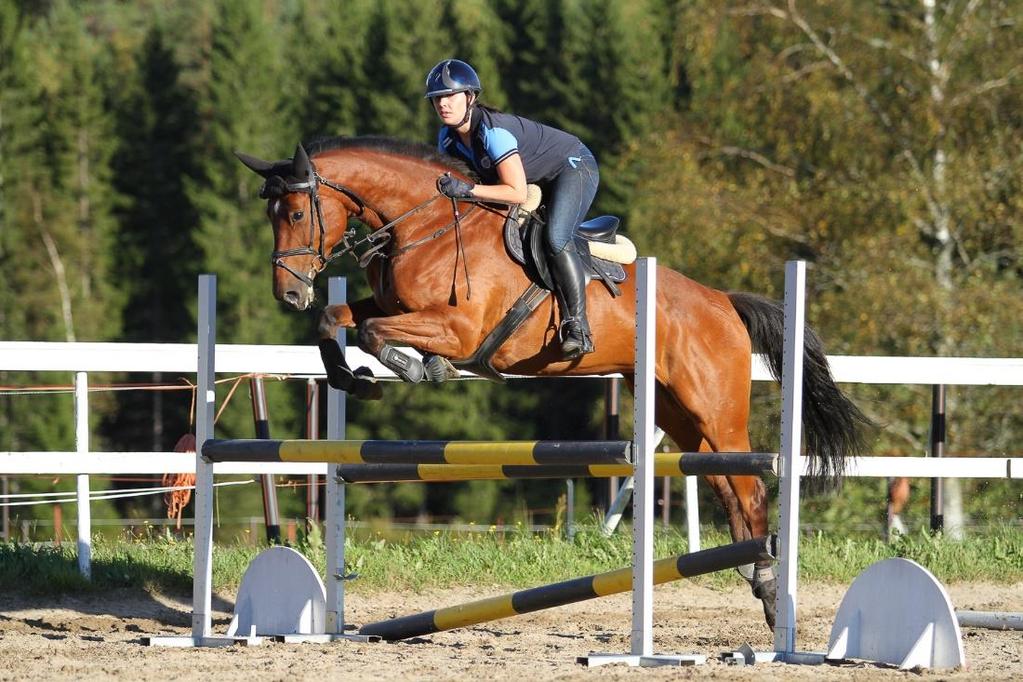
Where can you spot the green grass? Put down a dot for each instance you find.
(490, 559)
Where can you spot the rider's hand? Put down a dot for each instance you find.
(454, 187)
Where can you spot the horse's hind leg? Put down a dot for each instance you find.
(744, 498)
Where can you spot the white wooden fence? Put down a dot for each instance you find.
(79, 359)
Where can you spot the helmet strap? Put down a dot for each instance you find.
(470, 102)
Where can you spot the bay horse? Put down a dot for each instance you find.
(442, 280)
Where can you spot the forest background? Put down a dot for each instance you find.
(880, 141)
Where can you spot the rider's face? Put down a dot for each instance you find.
(451, 108)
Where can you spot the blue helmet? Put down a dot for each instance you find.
(451, 76)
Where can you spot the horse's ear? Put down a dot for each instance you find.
(260, 166)
(301, 166)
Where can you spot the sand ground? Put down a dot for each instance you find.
(99, 637)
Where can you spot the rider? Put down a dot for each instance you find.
(507, 152)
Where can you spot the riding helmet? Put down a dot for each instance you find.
(450, 76)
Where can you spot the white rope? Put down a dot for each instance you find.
(100, 494)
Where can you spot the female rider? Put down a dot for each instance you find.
(507, 152)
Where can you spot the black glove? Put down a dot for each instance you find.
(453, 187)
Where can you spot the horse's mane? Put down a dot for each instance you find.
(388, 145)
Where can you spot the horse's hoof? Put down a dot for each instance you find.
(767, 592)
(364, 389)
(764, 585)
(365, 386)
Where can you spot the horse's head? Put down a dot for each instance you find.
(306, 227)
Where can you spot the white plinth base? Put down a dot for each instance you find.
(654, 660)
(280, 594)
(324, 638)
(187, 642)
(897, 612)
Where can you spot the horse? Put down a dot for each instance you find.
(442, 280)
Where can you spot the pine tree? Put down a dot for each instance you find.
(475, 34)
(242, 108)
(407, 38)
(56, 229)
(156, 125)
(533, 29)
(329, 52)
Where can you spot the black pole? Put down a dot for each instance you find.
(572, 591)
(312, 424)
(611, 430)
(5, 489)
(937, 450)
(271, 515)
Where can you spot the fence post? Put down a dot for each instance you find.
(271, 515)
(611, 395)
(312, 432)
(82, 487)
(937, 450)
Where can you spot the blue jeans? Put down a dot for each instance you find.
(570, 194)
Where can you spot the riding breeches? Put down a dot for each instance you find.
(570, 194)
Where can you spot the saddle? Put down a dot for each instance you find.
(601, 249)
(523, 238)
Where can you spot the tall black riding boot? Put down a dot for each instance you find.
(571, 281)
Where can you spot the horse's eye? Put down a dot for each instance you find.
(296, 216)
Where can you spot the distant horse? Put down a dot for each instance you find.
(442, 281)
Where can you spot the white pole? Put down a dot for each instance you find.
(334, 512)
(617, 506)
(643, 454)
(692, 514)
(82, 448)
(206, 403)
(789, 469)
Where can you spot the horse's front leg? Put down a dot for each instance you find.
(339, 374)
(347, 316)
(438, 335)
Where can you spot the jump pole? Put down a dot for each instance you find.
(526, 453)
(665, 464)
(570, 591)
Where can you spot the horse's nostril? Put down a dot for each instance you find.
(291, 296)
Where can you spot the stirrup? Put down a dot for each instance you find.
(575, 338)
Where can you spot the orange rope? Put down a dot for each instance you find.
(177, 500)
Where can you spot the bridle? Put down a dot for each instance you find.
(276, 186)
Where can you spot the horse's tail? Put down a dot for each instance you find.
(834, 426)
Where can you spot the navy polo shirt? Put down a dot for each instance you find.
(496, 135)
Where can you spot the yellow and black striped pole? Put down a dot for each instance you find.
(539, 452)
(665, 464)
(571, 591)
